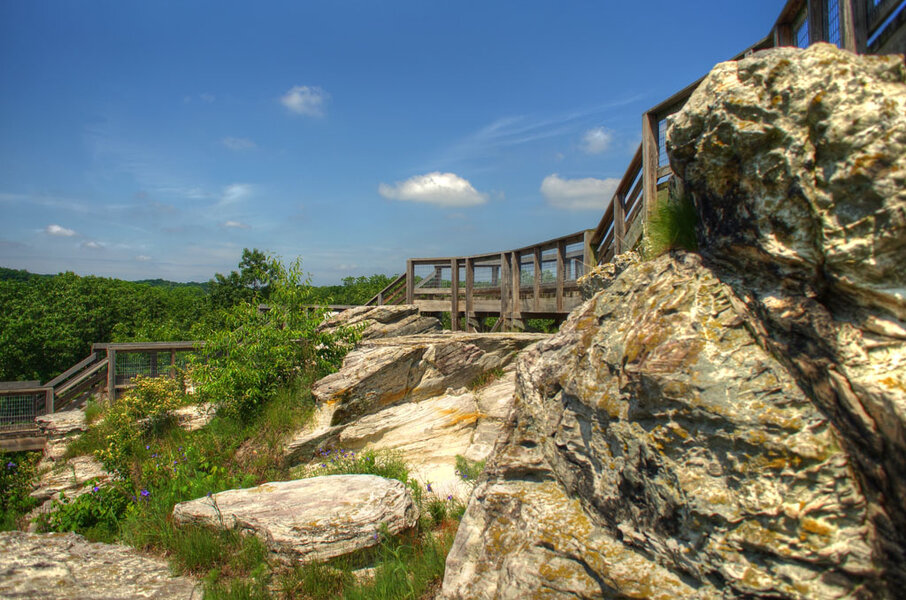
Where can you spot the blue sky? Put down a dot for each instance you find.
(157, 139)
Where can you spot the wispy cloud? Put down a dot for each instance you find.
(440, 189)
(143, 258)
(57, 230)
(305, 100)
(235, 225)
(236, 193)
(578, 194)
(238, 144)
(93, 245)
(596, 140)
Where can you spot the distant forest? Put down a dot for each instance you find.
(48, 322)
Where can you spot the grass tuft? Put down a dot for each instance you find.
(672, 225)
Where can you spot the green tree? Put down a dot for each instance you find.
(251, 283)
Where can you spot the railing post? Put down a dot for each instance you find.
(470, 288)
(619, 223)
(410, 282)
(561, 266)
(589, 260)
(649, 164)
(111, 375)
(48, 400)
(536, 287)
(847, 26)
(516, 261)
(380, 299)
(454, 294)
(504, 290)
(173, 363)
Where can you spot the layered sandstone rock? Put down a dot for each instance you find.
(384, 321)
(57, 566)
(309, 520)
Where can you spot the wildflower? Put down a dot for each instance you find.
(429, 487)
(324, 464)
(95, 489)
(449, 496)
(209, 494)
(147, 447)
(180, 448)
(145, 493)
(10, 465)
(154, 455)
(376, 535)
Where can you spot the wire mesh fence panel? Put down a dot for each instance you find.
(18, 411)
(131, 364)
(833, 23)
(574, 267)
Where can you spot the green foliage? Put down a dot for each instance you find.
(95, 514)
(354, 291)
(250, 284)
(469, 470)
(369, 462)
(142, 408)
(259, 351)
(17, 472)
(672, 225)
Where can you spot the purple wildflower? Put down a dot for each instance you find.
(429, 487)
(95, 489)
(10, 465)
(147, 447)
(145, 493)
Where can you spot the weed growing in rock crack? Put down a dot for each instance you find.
(485, 379)
(337, 461)
(468, 470)
(673, 224)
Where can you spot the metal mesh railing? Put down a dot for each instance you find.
(833, 23)
(18, 411)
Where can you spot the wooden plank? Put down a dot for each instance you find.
(410, 281)
(22, 444)
(492, 307)
(470, 300)
(588, 253)
(77, 367)
(816, 20)
(649, 161)
(619, 223)
(860, 25)
(386, 290)
(149, 346)
(847, 26)
(561, 252)
(454, 294)
(75, 381)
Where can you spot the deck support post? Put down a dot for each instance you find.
(470, 302)
(454, 294)
(111, 376)
(504, 291)
(48, 401)
(649, 164)
(561, 275)
(410, 282)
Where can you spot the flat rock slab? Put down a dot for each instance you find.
(384, 321)
(309, 520)
(67, 566)
(70, 478)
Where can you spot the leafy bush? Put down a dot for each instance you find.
(17, 471)
(368, 462)
(258, 351)
(96, 514)
(142, 408)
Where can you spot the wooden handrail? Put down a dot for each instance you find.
(77, 367)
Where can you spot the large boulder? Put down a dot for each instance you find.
(59, 566)
(385, 373)
(796, 162)
(657, 451)
(309, 520)
(384, 321)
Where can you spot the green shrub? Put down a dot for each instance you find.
(368, 462)
(486, 378)
(258, 351)
(17, 471)
(145, 407)
(673, 224)
(96, 514)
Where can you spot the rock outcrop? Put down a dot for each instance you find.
(70, 478)
(384, 321)
(657, 451)
(309, 520)
(796, 162)
(57, 566)
(410, 394)
(60, 429)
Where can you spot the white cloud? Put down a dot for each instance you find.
(596, 141)
(60, 231)
(238, 144)
(305, 100)
(441, 189)
(578, 194)
(93, 245)
(235, 193)
(206, 97)
(143, 258)
(236, 225)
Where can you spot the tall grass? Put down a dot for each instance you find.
(673, 224)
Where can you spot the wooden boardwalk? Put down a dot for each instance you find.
(537, 281)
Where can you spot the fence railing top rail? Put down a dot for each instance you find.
(147, 346)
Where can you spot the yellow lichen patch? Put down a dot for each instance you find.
(393, 397)
(816, 527)
(460, 417)
(893, 383)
